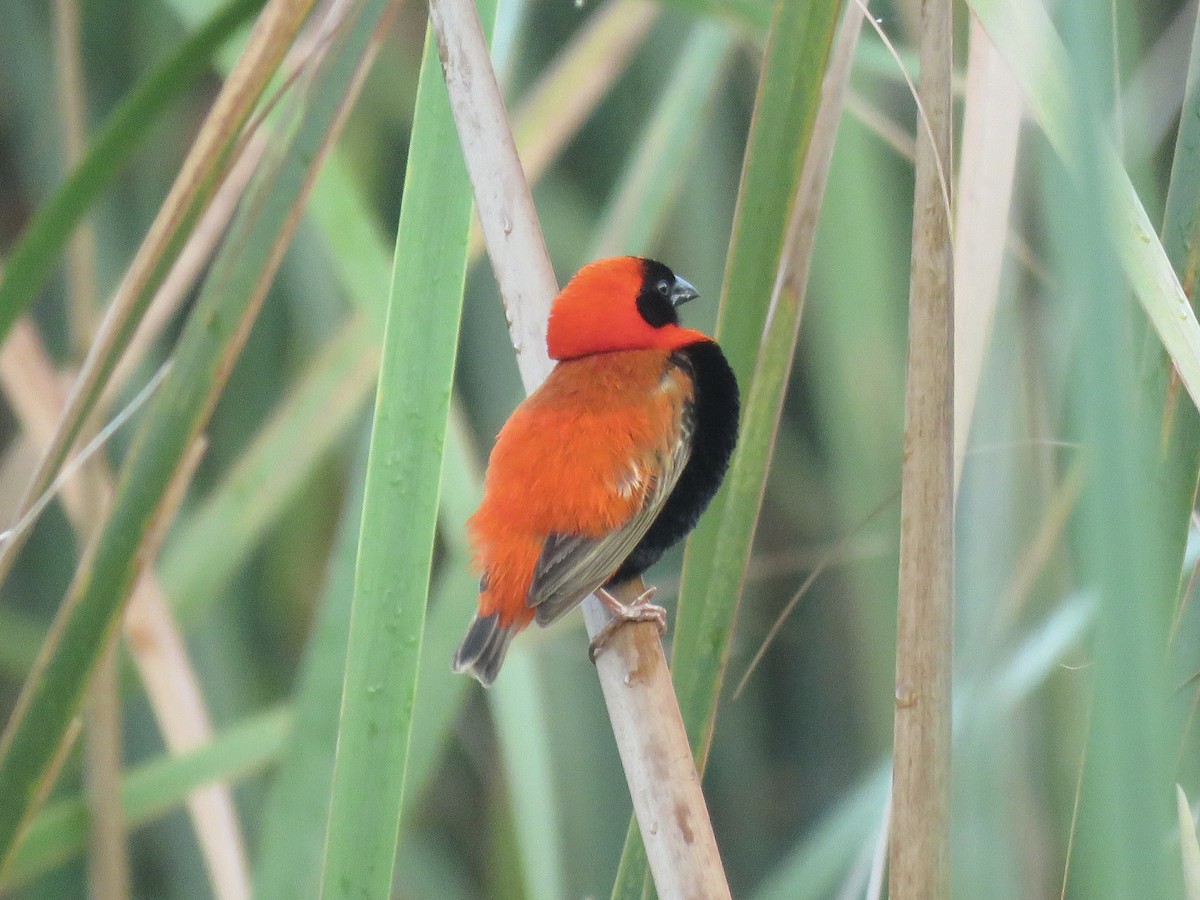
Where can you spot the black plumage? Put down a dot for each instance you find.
(712, 425)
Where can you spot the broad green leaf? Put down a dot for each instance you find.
(440, 691)
(400, 503)
(1125, 805)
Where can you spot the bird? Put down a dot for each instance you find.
(608, 464)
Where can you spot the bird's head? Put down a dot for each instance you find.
(623, 303)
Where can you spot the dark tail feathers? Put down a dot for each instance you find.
(481, 652)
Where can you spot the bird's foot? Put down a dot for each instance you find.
(640, 610)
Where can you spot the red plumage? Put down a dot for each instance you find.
(584, 478)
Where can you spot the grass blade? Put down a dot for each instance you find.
(37, 251)
(786, 110)
(773, 172)
(440, 691)
(1126, 805)
(193, 186)
(293, 832)
(400, 504)
(214, 335)
(151, 790)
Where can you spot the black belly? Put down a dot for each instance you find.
(714, 419)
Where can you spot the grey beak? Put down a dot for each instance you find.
(682, 292)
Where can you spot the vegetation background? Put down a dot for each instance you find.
(1074, 674)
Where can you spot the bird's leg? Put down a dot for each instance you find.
(640, 610)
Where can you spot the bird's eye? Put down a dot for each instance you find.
(663, 288)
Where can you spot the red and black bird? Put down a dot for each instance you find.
(607, 464)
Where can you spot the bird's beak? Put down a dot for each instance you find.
(682, 292)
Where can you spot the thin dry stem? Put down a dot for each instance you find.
(662, 777)
(157, 646)
(920, 858)
(633, 670)
(162, 660)
(235, 344)
(169, 298)
(506, 212)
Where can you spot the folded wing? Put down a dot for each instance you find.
(571, 566)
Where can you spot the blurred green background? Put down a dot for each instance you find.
(796, 776)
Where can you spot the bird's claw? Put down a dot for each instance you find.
(640, 610)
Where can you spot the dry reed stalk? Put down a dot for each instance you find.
(920, 823)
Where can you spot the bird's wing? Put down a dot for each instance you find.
(571, 566)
